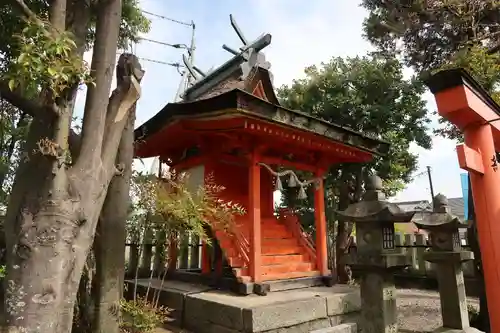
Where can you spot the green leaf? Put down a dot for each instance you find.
(51, 71)
(21, 58)
(12, 84)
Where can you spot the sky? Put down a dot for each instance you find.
(303, 34)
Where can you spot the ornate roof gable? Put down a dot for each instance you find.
(248, 70)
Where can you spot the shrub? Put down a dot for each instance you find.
(141, 316)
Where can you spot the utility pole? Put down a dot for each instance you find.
(186, 77)
(430, 184)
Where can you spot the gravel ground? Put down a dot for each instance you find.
(420, 310)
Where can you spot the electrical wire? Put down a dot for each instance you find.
(168, 19)
(176, 46)
(172, 64)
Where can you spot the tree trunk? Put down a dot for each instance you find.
(482, 321)
(110, 240)
(54, 208)
(350, 192)
(37, 228)
(84, 307)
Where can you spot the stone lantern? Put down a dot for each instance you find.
(447, 253)
(376, 258)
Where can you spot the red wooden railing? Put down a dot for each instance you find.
(293, 223)
(242, 245)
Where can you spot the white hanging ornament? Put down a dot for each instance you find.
(279, 186)
(302, 193)
(292, 181)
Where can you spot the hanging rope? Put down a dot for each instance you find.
(293, 180)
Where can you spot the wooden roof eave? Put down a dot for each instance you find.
(315, 125)
(252, 115)
(251, 106)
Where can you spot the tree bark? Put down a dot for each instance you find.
(54, 207)
(350, 192)
(109, 243)
(11, 147)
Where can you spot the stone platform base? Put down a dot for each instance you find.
(342, 328)
(202, 310)
(453, 330)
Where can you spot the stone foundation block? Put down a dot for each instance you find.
(204, 311)
(265, 318)
(453, 330)
(343, 328)
(343, 303)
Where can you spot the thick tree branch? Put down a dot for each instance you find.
(74, 142)
(103, 62)
(110, 236)
(11, 147)
(129, 75)
(20, 5)
(32, 107)
(57, 14)
(78, 21)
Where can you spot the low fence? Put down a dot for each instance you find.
(422, 274)
(415, 245)
(152, 257)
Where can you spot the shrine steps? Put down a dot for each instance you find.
(283, 256)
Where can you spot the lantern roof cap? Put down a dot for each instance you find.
(443, 221)
(374, 207)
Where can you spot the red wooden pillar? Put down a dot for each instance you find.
(477, 156)
(205, 258)
(467, 106)
(172, 253)
(254, 218)
(320, 222)
(219, 261)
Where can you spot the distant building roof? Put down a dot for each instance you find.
(456, 206)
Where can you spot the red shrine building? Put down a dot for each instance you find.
(231, 126)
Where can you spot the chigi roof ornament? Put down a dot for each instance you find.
(247, 58)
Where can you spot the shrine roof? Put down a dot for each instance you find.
(451, 78)
(231, 100)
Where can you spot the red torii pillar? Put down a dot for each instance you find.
(462, 101)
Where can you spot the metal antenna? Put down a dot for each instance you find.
(190, 78)
(188, 74)
(189, 66)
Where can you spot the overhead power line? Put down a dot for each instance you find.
(175, 46)
(169, 19)
(173, 64)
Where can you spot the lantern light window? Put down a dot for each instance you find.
(456, 240)
(388, 238)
